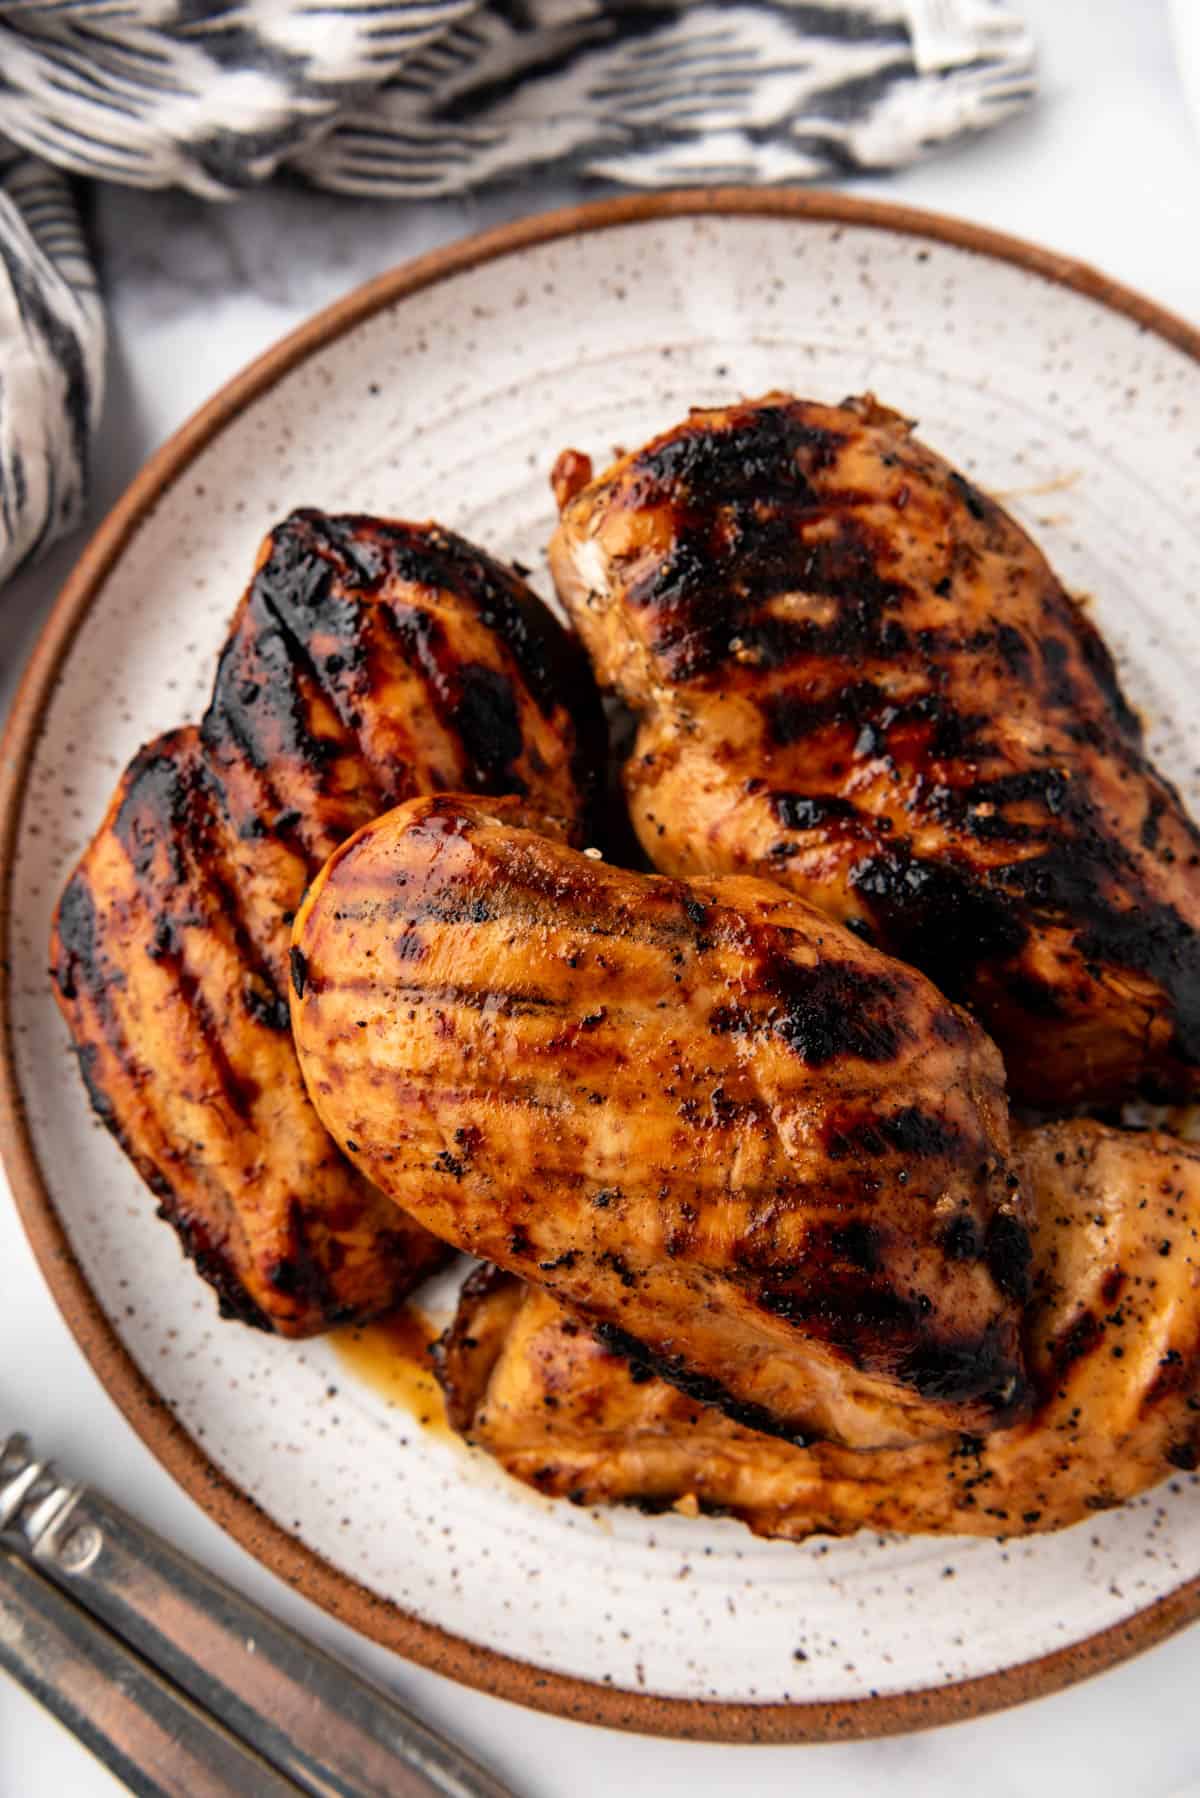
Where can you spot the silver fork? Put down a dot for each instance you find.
(182, 1685)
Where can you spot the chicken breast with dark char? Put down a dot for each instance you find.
(1114, 1347)
(369, 659)
(769, 1162)
(855, 673)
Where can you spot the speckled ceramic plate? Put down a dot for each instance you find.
(446, 389)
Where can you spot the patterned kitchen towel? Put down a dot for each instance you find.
(420, 98)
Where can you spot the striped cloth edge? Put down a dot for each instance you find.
(422, 99)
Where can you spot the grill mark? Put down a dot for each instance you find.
(474, 702)
(1048, 790)
(509, 1001)
(239, 1091)
(755, 456)
(763, 1199)
(222, 729)
(858, 1316)
(550, 661)
(281, 661)
(789, 716)
(909, 1132)
(1081, 1337)
(264, 1000)
(706, 593)
(950, 921)
(317, 752)
(869, 716)
(488, 721)
(180, 809)
(298, 1274)
(528, 909)
(822, 1012)
(943, 918)
(83, 965)
(703, 1388)
(1175, 1373)
(160, 812)
(313, 557)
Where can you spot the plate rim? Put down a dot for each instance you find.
(232, 1509)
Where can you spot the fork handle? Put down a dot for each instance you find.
(147, 1733)
(328, 1730)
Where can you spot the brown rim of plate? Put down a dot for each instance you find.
(233, 1509)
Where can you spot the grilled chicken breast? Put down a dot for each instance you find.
(1114, 1344)
(854, 672)
(769, 1162)
(368, 660)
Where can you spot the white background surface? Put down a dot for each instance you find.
(1108, 168)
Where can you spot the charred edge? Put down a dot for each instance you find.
(157, 808)
(215, 1266)
(77, 961)
(762, 451)
(300, 1275)
(268, 716)
(299, 966)
(701, 1387)
(1009, 1257)
(462, 1382)
(978, 504)
(965, 1370)
(1100, 665)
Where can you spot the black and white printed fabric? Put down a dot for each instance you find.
(51, 358)
(421, 98)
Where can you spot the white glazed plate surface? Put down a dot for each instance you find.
(452, 403)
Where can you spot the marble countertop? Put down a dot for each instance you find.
(1106, 168)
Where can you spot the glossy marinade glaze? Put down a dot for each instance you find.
(854, 672)
(369, 659)
(767, 1161)
(1113, 1329)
